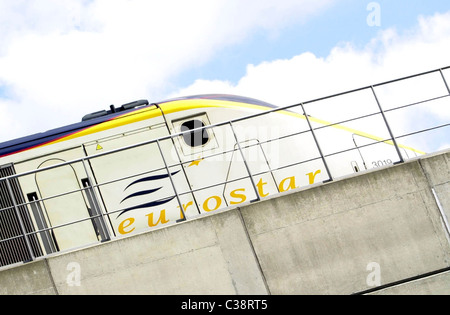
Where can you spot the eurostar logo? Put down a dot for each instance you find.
(149, 179)
(149, 192)
(195, 163)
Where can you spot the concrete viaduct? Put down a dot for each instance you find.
(384, 231)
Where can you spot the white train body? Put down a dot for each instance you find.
(109, 191)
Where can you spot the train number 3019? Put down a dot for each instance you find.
(381, 163)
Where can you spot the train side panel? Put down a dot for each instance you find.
(62, 201)
(64, 194)
(201, 171)
(134, 179)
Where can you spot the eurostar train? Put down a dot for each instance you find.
(142, 166)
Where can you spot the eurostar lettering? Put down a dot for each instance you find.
(214, 203)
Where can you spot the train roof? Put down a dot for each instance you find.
(222, 97)
(27, 142)
(34, 140)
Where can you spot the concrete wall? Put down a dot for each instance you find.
(335, 238)
(324, 240)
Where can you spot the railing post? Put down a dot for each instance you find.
(172, 182)
(388, 127)
(317, 143)
(98, 211)
(184, 172)
(445, 81)
(258, 198)
(19, 217)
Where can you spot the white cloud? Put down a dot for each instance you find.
(445, 146)
(8, 124)
(61, 60)
(66, 58)
(304, 77)
(388, 56)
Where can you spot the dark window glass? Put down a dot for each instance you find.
(195, 138)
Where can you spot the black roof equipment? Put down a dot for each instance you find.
(113, 109)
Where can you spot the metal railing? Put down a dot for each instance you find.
(406, 101)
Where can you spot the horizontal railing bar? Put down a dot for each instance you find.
(98, 185)
(424, 130)
(417, 103)
(226, 124)
(116, 211)
(219, 124)
(346, 121)
(60, 225)
(358, 147)
(370, 86)
(205, 187)
(411, 76)
(377, 113)
(198, 189)
(245, 147)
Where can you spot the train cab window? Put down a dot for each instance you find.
(195, 138)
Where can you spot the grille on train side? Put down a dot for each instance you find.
(13, 245)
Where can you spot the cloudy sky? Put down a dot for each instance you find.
(62, 59)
